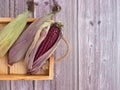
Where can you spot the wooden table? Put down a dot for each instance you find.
(93, 30)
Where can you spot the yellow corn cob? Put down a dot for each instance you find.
(11, 32)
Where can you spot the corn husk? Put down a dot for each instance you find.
(21, 46)
(41, 60)
(11, 32)
(33, 64)
(39, 36)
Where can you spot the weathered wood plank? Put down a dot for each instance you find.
(88, 65)
(4, 8)
(66, 75)
(97, 42)
(4, 85)
(21, 85)
(3, 65)
(42, 8)
(19, 6)
(18, 68)
(42, 85)
(118, 44)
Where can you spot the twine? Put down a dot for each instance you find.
(67, 50)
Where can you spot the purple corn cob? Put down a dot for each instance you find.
(44, 49)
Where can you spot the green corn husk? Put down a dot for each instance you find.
(11, 32)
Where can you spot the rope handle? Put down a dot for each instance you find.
(67, 50)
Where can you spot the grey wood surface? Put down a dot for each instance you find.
(92, 28)
(98, 44)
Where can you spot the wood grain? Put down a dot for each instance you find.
(4, 8)
(97, 45)
(42, 85)
(108, 55)
(6, 20)
(21, 85)
(42, 8)
(118, 44)
(18, 77)
(18, 68)
(4, 65)
(87, 32)
(5, 85)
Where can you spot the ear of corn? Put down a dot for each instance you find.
(11, 32)
(39, 37)
(19, 49)
(34, 67)
(43, 49)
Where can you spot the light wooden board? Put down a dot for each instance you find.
(3, 65)
(5, 85)
(6, 20)
(21, 85)
(88, 29)
(18, 68)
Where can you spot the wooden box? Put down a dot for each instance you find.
(18, 70)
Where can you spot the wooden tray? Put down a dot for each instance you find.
(18, 70)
